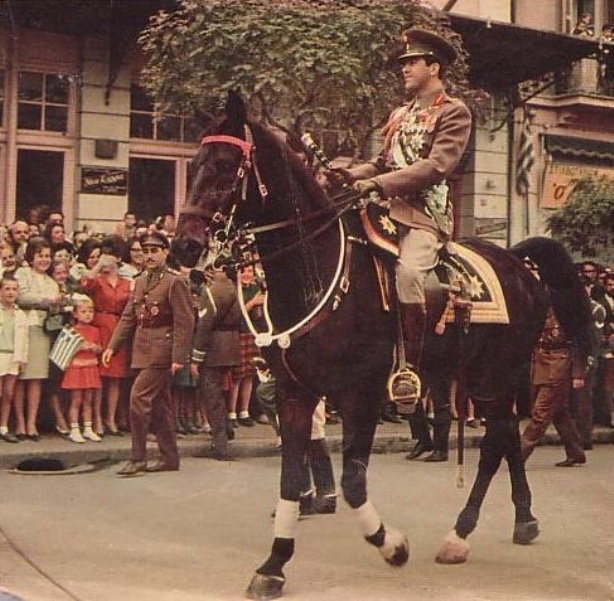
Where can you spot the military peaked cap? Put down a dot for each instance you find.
(420, 42)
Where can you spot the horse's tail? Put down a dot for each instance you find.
(570, 301)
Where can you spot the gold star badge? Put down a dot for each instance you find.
(387, 225)
(476, 289)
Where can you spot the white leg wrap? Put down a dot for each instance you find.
(369, 520)
(286, 518)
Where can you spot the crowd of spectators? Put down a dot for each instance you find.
(49, 280)
(43, 268)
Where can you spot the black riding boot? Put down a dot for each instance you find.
(405, 386)
(323, 476)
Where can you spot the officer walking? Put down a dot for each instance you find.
(159, 319)
(216, 349)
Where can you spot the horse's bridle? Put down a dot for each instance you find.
(340, 282)
(248, 164)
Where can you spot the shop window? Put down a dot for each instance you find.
(144, 122)
(151, 187)
(43, 102)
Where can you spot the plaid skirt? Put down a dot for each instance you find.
(248, 350)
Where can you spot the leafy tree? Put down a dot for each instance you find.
(586, 222)
(300, 63)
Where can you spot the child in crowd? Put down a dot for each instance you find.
(13, 349)
(82, 377)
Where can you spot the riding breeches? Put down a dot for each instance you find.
(417, 256)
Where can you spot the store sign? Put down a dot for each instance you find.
(560, 180)
(491, 227)
(96, 180)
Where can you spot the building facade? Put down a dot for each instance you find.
(78, 134)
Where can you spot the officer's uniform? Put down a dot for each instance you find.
(215, 349)
(424, 142)
(555, 363)
(159, 319)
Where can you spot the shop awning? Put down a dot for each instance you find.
(503, 55)
(579, 147)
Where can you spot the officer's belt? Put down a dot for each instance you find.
(160, 322)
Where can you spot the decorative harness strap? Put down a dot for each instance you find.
(339, 284)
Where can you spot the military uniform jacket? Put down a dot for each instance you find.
(412, 166)
(216, 341)
(159, 317)
(555, 357)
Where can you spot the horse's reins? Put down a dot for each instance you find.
(340, 282)
(342, 203)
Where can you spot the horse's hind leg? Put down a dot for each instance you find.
(359, 422)
(526, 527)
(455, 548)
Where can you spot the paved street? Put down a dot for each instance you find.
(200, 533)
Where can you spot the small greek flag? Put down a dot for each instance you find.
(65, 347)
(526, 158)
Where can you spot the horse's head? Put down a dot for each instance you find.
(246, 173)
(218, 173)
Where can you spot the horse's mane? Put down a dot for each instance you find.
(271, 145)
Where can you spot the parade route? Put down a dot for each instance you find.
(199, 534)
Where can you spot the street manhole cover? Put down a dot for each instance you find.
(54, 467)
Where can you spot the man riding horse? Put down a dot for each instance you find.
(424, 141)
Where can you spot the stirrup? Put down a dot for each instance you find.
(404, 389)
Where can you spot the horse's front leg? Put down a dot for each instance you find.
(359, 422)
(295, 416)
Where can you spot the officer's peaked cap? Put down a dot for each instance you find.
(420, 42)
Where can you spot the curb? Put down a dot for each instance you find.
(384, 443)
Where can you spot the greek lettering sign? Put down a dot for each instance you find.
(561, 178)
(104, 180)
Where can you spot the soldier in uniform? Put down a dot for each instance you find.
(159, 319)
(560, 362)
(424, 141)
(215, 350)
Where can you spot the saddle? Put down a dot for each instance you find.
(459, 270)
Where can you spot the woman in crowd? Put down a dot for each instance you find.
(110, 293)
(133, 259)
(87, 257)
(39, 294)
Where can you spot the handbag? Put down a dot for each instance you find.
(53, 323)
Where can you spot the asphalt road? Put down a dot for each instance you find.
(200, 533)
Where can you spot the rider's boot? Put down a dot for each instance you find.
(405, 386)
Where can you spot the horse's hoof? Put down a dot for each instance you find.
(525, 532)
(264, 587)
(454, 550)
(395, 549)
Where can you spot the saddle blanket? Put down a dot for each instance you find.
(489, 304)
(480, 280)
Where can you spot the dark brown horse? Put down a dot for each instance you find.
(330, 336)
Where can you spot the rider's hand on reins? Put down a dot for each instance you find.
(366, 186)
(337, 178)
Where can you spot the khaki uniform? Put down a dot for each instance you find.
(423, 146)
(216, 347)
(159, 320)
(555, 363)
